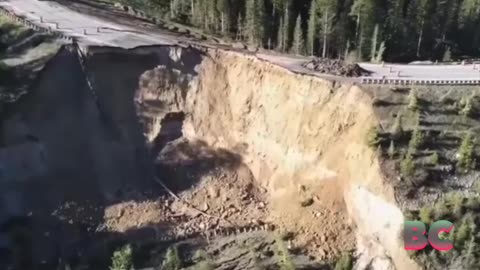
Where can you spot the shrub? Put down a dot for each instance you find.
(282, 255)
(122, 259)
(463, 232)
(441, 210)
(473, 202)
(407, 166)
(467, 109)
(345, 262)
(373, 137)
(433, 159)
(172, 259)
(476, 186)
(426, 214)
(455, 200)
(466, 153)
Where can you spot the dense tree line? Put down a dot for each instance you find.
(395, 30)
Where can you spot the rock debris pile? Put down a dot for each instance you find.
(336, 67)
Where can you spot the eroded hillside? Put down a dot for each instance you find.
(239, 142)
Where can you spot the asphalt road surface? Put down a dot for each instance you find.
(88, 29)
(91, 30)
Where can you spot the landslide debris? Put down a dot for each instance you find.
(336, 67)
(81, 139)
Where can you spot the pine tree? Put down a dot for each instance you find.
(364, 13)
(373, 53)
(122, 259)
(281, 37)
(240, 28)
(422, 17)
(447, 56)
(223, 8)
(286, 27)
(347, 50)
(416, 141)
(298, 40)
(413, 100)
(327, 9)
(408, 28)
(255, 15)
(312, 27)
(391, 150)
(397, 129)
(466, 153)
(426, 214)
(463, 233)
(381, 50)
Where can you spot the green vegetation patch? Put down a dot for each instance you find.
(122, 259)
(11, 32)
(462, 211)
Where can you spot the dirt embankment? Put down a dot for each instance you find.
(235, 136)
(301, 137)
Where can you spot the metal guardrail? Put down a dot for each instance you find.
(36, 27)
(396, 81)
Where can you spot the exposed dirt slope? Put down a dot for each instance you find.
(240, 139)
(302, 138)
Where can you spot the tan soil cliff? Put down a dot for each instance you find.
(300, 136)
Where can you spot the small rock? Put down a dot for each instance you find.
(307, 202)
(213, 192)
(205, 207)
(322, 252)
(286, 236)
(268, 253)
(261, 205)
